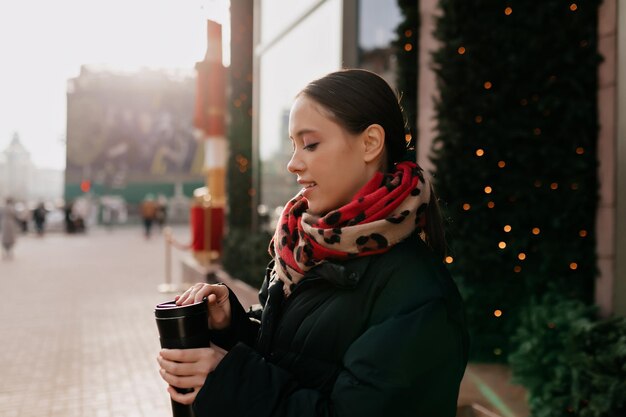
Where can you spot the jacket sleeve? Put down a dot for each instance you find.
(404, 365)
(244, 326)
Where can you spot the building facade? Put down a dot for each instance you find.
(131, 134)
(295, 44)
(21, 180)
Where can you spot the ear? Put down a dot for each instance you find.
(374, 142)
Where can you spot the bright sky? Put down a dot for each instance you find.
(43, 43)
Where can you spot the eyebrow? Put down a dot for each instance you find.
(303, 132)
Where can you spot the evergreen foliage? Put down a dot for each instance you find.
(406, 51)
(245, 250)
(246, 255)
(570, 365)
(239, 171)
(515, 155)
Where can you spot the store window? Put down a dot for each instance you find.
(297, 46)
(377, 24)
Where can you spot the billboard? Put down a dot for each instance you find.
(131, 128)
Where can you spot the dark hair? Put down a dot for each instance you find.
(356, 99)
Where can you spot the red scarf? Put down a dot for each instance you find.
(384, 212)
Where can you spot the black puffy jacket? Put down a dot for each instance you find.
(380, 335)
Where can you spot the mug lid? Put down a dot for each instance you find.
(169, 309)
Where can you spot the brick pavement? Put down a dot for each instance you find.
(77, 329)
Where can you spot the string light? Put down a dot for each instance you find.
(521, 256)
(580, 150)
(536, 231)
(480, 152)
(573, 266)
(537, 183)
(508, 11)
(507, 228)
(408, 33)
(478, 119)
(408, 137)
(461, 50)
(582, 233)
(497, 313)
(574, 186)
(502, 245)
(517, 269)
(408, 47)
(554, 185)
(491, 204)
(449, 259)
(501, 164)
(487, 85)
(573, 7)
(488, 190)
(466, 206)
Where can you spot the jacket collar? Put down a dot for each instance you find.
(345, 274)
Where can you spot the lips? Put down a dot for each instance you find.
(307, 187)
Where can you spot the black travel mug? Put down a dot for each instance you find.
(183, 327)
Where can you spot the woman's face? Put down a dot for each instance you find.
(327, 160)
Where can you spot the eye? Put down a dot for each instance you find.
(311, 147)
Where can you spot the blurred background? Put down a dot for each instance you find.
(144, 144)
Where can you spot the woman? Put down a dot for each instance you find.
(8, 229)
(359, 316)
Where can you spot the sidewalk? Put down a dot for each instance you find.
(78, 330)
(79, 337)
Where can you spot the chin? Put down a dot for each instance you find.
(316, 210)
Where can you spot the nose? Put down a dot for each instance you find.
(295, 164)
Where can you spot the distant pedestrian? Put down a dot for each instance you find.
(161, 211)
(39, 217)
(148, 214)
(70, 226)
(9, 229)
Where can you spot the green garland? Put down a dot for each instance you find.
(239, 175)
(406, 48)
(245, 250)
(570, 365)
(515, 155)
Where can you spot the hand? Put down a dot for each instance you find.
(188, 368)
(218, 302)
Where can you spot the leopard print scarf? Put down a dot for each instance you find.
(384, 212)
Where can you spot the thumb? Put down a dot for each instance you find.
(219, 307)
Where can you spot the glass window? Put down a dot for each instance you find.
(310, 50)
(378, 20)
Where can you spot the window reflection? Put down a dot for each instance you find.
(378, 20)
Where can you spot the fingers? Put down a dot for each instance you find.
(182, 398)
(188, 368)
(182, 381)
(199, 291)
(183, 355)
(177, 368)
